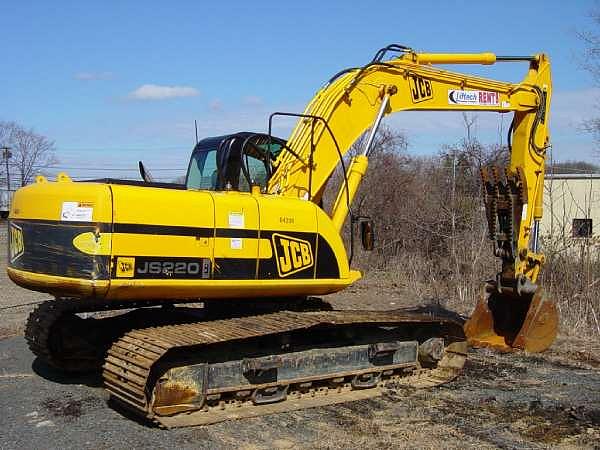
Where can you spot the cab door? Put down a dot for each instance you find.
(236, 236)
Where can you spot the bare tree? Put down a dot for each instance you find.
(31, 152)
(591, 40)
(591, 63)
(4, 137)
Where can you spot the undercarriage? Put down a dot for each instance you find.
(182, 365)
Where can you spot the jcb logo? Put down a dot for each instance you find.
(292, 254)
(16, 245)
(420, 89)
(125, 266)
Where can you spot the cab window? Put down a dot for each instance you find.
(256, 170)
(202, 173)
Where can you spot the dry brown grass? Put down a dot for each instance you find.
(572, 278)
(573, 282)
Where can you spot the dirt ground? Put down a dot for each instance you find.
(500, 401)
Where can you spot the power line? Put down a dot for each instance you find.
(118, 169)
(122, 149)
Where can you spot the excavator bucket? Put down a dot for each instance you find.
(506, 321)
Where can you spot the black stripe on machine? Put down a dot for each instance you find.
(236, 233)
(48, 249)
(171, 230)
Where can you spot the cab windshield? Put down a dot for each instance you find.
(221, 163)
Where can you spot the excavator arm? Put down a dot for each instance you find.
(513, 312)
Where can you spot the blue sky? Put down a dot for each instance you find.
(114, 82)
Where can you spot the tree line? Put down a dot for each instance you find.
(22, 152)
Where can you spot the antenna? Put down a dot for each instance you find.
(196, 127)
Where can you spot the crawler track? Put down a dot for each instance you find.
(44, 337)
(60, 338)
(139, 368)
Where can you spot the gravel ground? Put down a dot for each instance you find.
(501, 401)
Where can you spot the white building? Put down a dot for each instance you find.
(5, 197)
(571, 209)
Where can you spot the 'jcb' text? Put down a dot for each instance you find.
(292, 254)
(420, 89)
(16, 243)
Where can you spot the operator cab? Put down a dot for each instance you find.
(233, 162)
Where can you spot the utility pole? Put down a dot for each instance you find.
(453, 204)
(6, 154)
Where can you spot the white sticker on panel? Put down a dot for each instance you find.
(236, 220)
(236, 243)
(75, 212)
(474, 98)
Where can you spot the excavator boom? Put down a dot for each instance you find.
(513, 313)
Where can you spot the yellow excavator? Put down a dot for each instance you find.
(247, 236)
